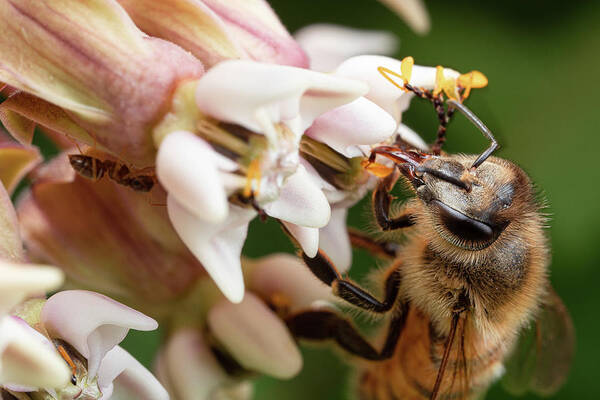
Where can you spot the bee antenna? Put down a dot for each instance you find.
(481, 126)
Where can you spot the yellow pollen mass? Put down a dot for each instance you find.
(253, 175)
(472, 80)
(447, 85)
(406, 67)
(379, 170)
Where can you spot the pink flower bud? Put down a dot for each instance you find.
(91, 60)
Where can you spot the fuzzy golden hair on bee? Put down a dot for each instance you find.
(466, 281)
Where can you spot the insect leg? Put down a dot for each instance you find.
(382, 201)
(445, 357)
(375, 247)
(481, 126)
(327, 325)
(443, 116)
(324, 269)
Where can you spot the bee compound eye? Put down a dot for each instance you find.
(463, 226)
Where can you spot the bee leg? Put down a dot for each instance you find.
(382, 200)
(327, 325)
(444, 118)
(375, 247)
(324, 269)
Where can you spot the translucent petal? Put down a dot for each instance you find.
(27, 358)
(129, 378)
(413, 12)
(327, 45)
(286, 275)
(11, 247)
(100, 325)
(20, 281)
(187, 168)
(15, 162)
(257, 95)
(216, 246)
(361, 122)
(308, 238)
(300, 202)
(255, 337)
(335, 241)
(190, 365)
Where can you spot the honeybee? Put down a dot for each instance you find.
(467, 295)
(95, 168)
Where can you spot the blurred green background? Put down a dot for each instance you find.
(541, 58)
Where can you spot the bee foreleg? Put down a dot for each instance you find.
(382, 200)
(325, 325)
(324, 269)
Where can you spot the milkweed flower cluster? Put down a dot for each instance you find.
(221, 107)
(57, 348)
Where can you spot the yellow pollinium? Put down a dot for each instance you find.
(472, 80)
(379, 170)
(405, 73)
(252, 176)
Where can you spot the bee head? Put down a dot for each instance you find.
(471, 207)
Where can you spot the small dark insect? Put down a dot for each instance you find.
(95, 168)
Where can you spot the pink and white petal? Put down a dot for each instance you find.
(335, 241)
(381, 91)
(413, 12)
(27, 359)
(217, 246)
(255, 26)
(190, 24)
(411, 137)
(316, 178)
(161, 372)
(16, 161)
(236, 391)
(190, 366)
(255, 337)
(300, 202)
(20, 281)
(257, 95)
(101, 323)
(286, 274)
(21, 112)
(361, 122)
(188, 168)
(11, 246)
(327, 45)
(121, 373)
(308, 238)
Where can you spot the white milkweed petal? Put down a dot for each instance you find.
(255, 337)
(100, 325)
(300, 202)
(188, 168)
(217, 246)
